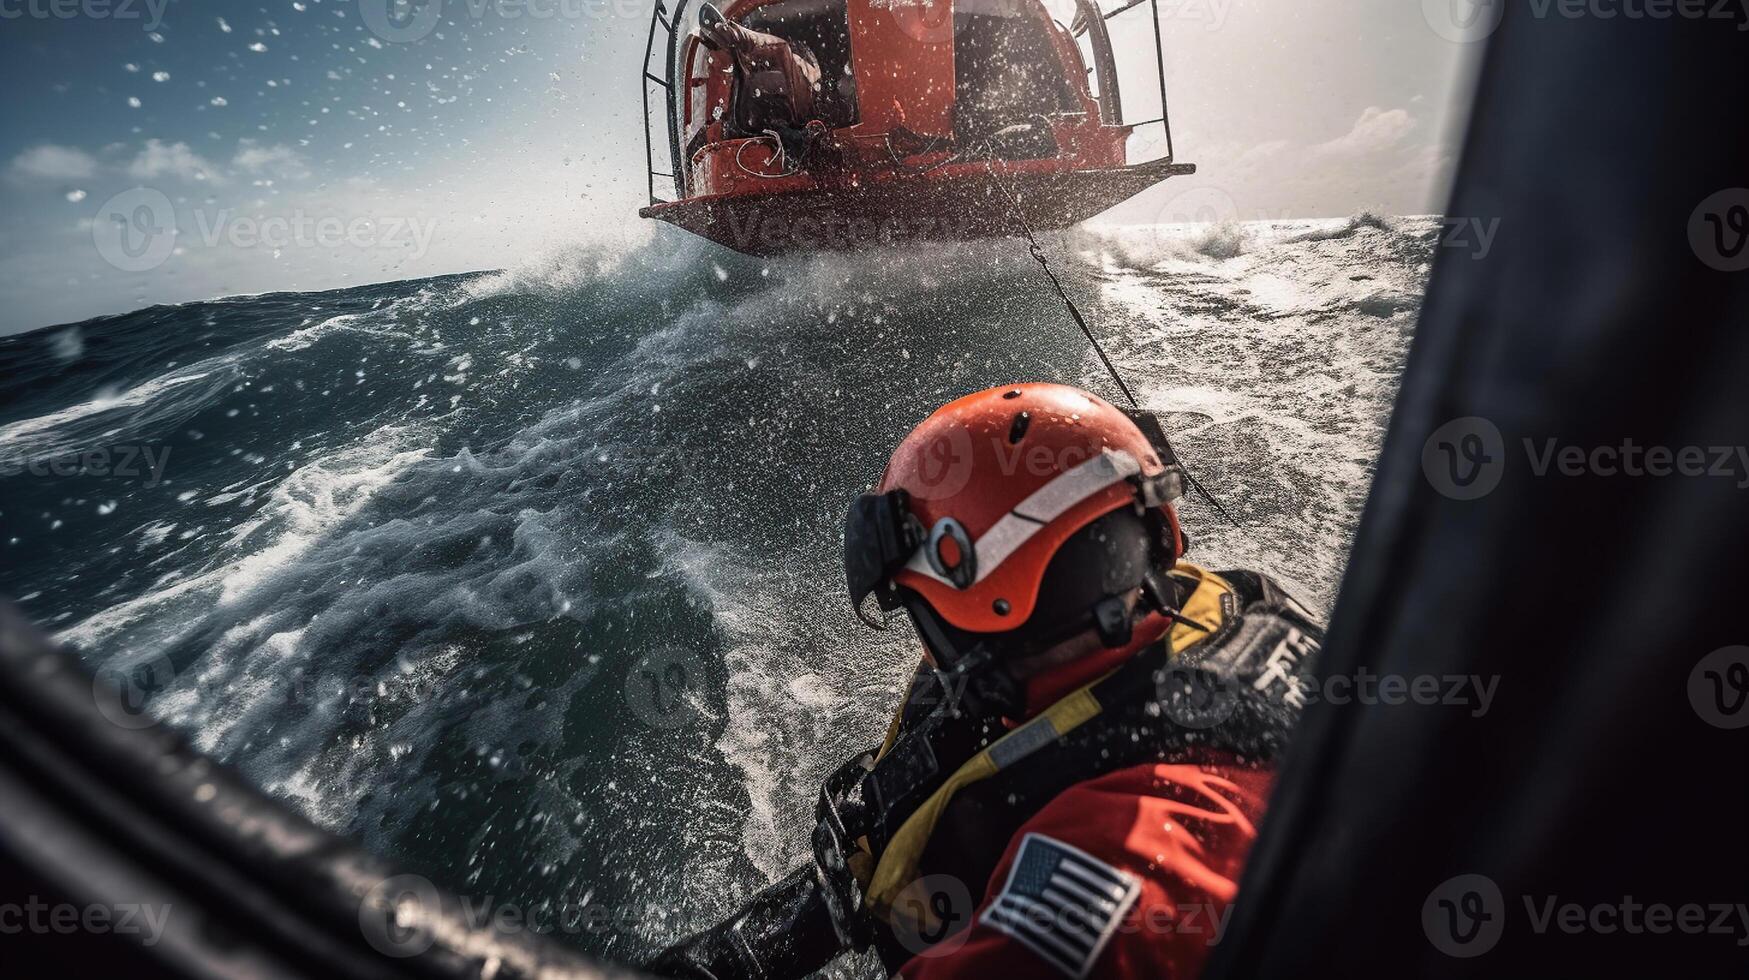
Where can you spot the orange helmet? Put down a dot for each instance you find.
(981, 497)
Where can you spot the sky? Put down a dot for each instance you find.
(163, 151)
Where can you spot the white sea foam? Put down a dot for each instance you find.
(109, 414)
(306, 504)
(1276, 359)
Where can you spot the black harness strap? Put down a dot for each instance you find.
(1228, 692)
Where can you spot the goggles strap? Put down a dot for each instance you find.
(880, 536)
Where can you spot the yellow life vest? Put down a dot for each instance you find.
(1209, 603)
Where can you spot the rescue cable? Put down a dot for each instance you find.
(1075, 313)
(781, 156)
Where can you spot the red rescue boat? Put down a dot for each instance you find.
(835, 124)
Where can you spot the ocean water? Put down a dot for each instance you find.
(531, 579)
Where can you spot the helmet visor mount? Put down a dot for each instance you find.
(880, 535)
(1169, 484)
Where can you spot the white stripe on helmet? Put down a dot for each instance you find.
(1045, 505)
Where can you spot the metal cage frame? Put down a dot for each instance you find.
(661, 19)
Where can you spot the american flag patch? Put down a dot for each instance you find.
(1062, 903)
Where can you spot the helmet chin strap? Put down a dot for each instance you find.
(1051, 682)
(1114, 617)
(980, 680)
(986, 680)
(1122, 629)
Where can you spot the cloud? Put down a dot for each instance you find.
(51, 162)
(1260, 154)
(1375, 131)
(1387, 161)
(172, 160)
(279, 161)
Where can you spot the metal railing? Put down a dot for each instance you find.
(1098, 38)
(668, 24)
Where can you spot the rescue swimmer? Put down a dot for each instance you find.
(1074, 780)
(780, 79)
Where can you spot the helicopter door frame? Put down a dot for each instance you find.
(1105, 63)
(1090, 21)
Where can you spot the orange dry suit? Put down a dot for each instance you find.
(1101, 835)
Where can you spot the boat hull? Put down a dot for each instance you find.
(897, 209)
